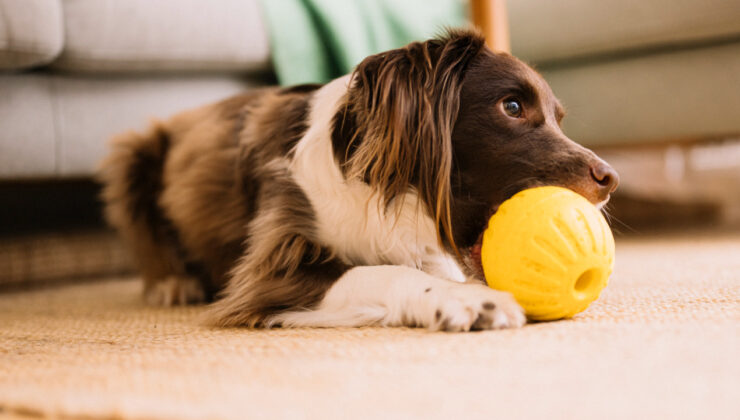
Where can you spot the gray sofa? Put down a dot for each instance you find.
(75, 72)
(635, 71)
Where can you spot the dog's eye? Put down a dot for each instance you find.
(512, 108)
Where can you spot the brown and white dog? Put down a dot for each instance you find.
(360, 202)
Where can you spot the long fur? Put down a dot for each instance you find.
(360, 202)
(406, 103)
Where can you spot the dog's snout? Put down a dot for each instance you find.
(605, 176)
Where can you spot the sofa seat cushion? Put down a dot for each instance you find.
(671, 96)
(166, 35)
(59, 125)
(546, 31)
(31, 33)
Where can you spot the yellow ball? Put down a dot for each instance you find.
(551, 248)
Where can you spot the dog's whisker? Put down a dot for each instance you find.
(610, 218)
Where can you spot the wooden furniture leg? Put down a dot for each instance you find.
(491, 18)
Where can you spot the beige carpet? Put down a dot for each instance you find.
(43, 259)
(663, 342)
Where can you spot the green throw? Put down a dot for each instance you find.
(313, 41)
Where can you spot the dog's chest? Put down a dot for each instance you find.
(348, 215)
(350, 218)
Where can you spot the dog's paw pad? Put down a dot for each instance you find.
(476, 307)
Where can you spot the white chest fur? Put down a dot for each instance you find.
(349, 217)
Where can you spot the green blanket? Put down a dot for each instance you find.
(313, 41)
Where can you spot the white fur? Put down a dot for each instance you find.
(348, 214)
(403, 296)
(404, 276)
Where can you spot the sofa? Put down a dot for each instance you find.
(75, 72)
(634, 71)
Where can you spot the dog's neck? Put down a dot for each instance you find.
(350, 216)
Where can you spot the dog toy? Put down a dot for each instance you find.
(551, 248)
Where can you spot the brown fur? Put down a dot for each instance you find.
(404, 104)
(496, 156)
(285, 267)
(207, 195)
(133, 182)
(180, 194)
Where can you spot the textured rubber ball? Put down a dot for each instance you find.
(551, 248)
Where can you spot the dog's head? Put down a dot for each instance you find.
(463, 126)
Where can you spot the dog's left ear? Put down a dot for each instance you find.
(405, 104)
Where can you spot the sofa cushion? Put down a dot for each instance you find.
(27, 138)
(671, 96)
(166, 35)
(31, 33)
(543, 31)
(59, 125)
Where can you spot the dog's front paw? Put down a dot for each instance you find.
(175, 290)
(467, 307)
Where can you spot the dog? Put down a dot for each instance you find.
(360, 202)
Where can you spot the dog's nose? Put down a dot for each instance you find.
(606, 177)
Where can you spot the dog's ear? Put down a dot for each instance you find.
(405, 104)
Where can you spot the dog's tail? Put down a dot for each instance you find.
(132, 178)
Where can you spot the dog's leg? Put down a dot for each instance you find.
(404, 296)
(132, 176)
(174, 290)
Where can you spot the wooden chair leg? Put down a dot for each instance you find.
(491, 18)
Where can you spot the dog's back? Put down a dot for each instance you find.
(180, 195)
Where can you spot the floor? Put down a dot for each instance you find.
(661, 342)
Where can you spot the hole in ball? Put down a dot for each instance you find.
(587, 281)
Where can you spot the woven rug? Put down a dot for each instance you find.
(661, 343)
(43, 259)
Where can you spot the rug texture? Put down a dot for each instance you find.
(663, 342)
(44, 259)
